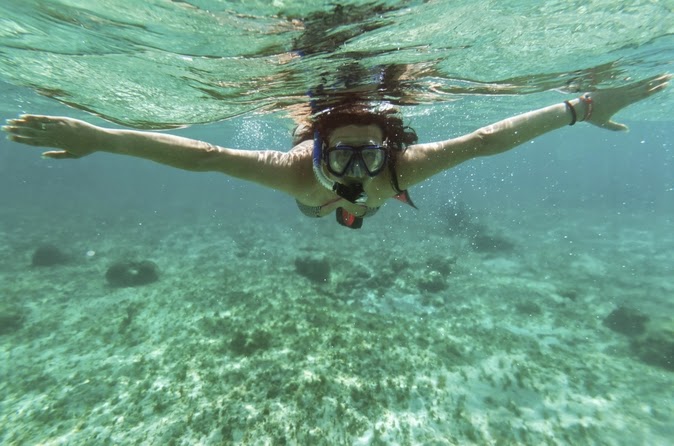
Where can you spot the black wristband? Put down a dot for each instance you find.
(573, 112)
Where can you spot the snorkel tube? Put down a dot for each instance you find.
(318, 170)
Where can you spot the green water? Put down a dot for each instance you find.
(479, 318)
(160, 64)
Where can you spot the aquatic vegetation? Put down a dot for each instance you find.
(247, 344)
(314, 268)
(656, 347)
(441, 264)
(12, 317)
(432, 282)
(129, 273)
(528, 308)
(569, 293)
(49, 255)
(627, 321)
(131, 313)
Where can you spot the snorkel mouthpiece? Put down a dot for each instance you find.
(351, 192)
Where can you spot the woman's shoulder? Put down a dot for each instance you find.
(300, 156)
(303, 148)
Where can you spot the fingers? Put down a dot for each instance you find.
(654, 80)
(26, 128)
(656, 88)
(644, 88)
(22, 131)
(33, 130)
(655, 84)
(37, 119)
(26, 121)
(34, 137)
(29, 140)
(661, 78)
(34, 122)
(25, 135)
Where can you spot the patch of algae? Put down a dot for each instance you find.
(317, 369)
(233, 347)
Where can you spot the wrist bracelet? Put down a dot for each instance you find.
(572, 109)
(587, 100)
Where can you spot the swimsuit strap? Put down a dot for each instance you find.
(401, 195)
(394, 176)
(309, 211)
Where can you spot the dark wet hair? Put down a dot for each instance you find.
(386, 117)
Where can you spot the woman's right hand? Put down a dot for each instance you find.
(73, 137)
(606, 103)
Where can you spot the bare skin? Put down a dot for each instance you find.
(292, 172)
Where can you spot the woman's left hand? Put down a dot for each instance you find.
(606, 103)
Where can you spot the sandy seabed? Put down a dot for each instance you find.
(435, 336)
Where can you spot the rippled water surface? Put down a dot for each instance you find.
(163, 63)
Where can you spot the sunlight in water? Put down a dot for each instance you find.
(166, 64)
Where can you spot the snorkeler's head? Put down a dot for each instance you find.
(353, 143)
(355, 152)
(384, 116)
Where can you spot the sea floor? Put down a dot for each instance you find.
(442, 333)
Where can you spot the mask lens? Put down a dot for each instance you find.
(339, 159)
(374, 158)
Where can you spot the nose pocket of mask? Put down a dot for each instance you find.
(356, 168)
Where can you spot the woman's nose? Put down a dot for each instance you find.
(356, 169)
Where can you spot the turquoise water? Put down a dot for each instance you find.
(173, 63)
(481, 318)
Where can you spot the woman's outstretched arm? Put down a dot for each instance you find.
(422, 161)
(74, 138)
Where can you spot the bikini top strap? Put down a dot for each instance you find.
(394, 176)
(401, 195)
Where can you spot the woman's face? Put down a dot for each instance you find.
(366, 142)
(356, 135)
